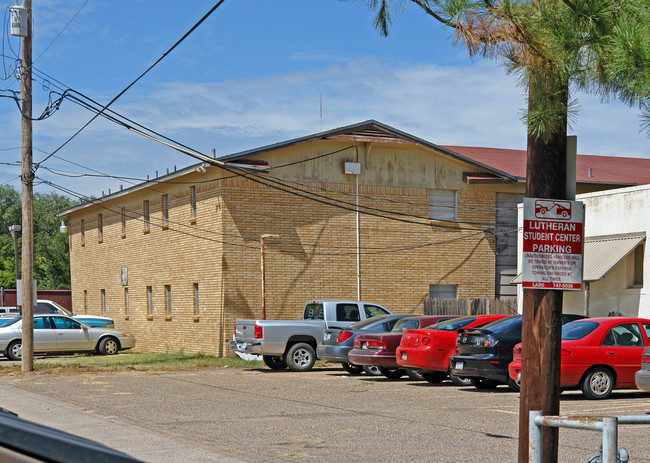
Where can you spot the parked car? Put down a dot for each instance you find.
(485, 353)
(378, 349)
(44, 306)
(430, 348)
(642, 377)
(598, 354)
(60, 333)
(337, 343)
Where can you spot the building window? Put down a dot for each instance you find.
(168, 299)
(149, 300)
(193, 202)
(123, 222)
(126, 301)
(197, 309)
(145, 213)
(443, 205)
(637, 270)
(83, 232)
(85, 301)
(443, 291)
(100, 228)
(165, 212)
(103, 294)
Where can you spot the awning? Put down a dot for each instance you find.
(602, 253)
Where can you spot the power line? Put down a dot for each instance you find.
(104, 108)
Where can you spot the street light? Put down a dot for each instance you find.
(265, 235)
(14, 229)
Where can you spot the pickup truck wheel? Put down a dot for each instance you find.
(301, 357)
(352, 368)
(274, 362)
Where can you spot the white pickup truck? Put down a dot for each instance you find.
(292, 343)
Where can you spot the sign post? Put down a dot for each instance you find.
(553, 244)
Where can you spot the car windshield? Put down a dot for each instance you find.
(406, 324)
(506, 326)
(578, 330)
(368, 323)
(452, 325)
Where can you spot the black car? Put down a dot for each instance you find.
(483, 354)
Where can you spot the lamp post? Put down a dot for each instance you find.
(263, 262)
(14, 229)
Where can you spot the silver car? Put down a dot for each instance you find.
(60, 333)
(642, 377)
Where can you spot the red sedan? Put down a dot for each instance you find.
(429, 349)
(378, 349)
(598, 354)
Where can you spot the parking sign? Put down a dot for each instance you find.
(553, 244)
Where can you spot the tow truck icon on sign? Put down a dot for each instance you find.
(550, 209)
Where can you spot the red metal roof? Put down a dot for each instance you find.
(604, 169)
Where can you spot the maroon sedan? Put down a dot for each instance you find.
(379, 349)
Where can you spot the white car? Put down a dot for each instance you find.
(60, 333)
(44, 306)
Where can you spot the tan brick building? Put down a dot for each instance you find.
(176, 260)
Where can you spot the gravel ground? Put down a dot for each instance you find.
(259, 415)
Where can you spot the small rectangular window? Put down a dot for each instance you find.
(145, 214)
(83, 232)
(126, 301)
(165, 211)
(193, 202)
(197, 309)
(123, 222)
(443, 291)
(85, 301)
(442, 205)
(149, 300)
(168, 299)
(103, 294)
(100, 228)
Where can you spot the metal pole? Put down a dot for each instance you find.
(27, 177)
(263, 266)
(534, 438)
(610, 439)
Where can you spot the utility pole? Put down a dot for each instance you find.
(27, 178)
(542, 308)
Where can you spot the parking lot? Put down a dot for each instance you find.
(321, 415)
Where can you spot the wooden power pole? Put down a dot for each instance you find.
(27, 178)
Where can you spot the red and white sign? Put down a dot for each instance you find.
(553, 243)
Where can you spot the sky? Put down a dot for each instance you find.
(255, 73)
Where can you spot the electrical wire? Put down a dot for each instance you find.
(104, 108)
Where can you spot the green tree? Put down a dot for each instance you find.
(51, 251)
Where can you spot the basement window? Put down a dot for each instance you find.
(443, 291)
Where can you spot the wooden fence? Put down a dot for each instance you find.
(469, 306)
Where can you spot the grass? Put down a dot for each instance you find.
(129, 361)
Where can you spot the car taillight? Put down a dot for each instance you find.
(645, 358)
(489, 341)
(565, 352)
(343, 335)
(426, 341)
(516, 353)
(369, 344)
(259, 332)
